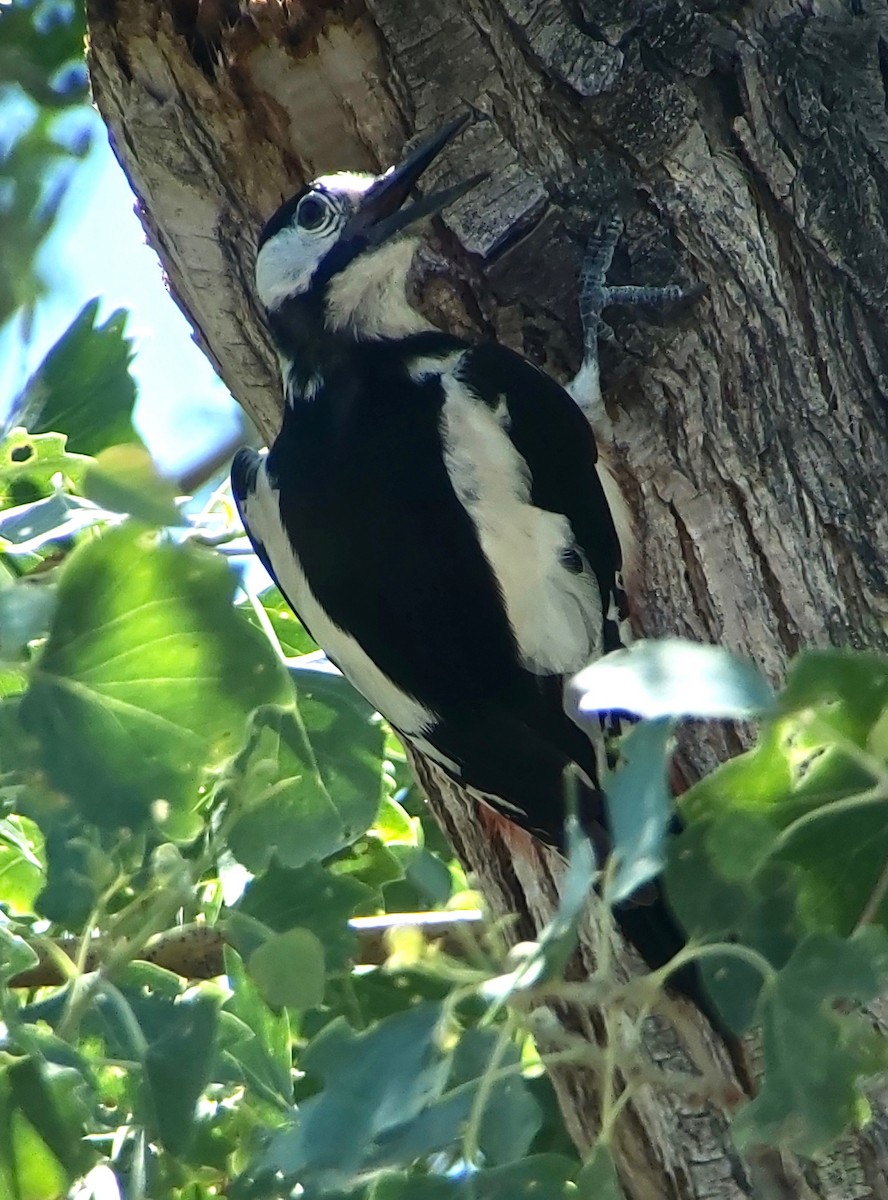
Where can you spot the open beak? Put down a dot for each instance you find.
(382, 212)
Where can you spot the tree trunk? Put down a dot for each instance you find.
(748, 148)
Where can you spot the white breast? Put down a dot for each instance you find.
(262, 514)
(555, 614)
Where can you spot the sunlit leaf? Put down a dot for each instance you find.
(146, 681)
(781, 794)
(32, 465)
(21, 869)
(15, 954)
(671, 678)
(124, 479)
(83, 387)
(263, 1052)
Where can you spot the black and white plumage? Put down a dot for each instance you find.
(432, 510)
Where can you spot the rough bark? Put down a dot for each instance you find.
(748, 147)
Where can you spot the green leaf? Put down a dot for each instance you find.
(289, 969)
(32, 464)
(310, 898)
(294, 639)
(177, 1067)
(263, 1053)
(146, 681)
(49, 1098)
(639, 806)
(35, 45)
(28, 1168)
(598, 1179)
(852, 685)
(26, 609)
(816, 1059)
(512, 1118)
(373, 1082)
(125, 480)
(77, 870)
(547, 957)
(671, 678)
(307, 782)
(21, 868)
(540, 1177)
(509, 1122)
(15, 954)
(83, 387)
(791, 794)
(759, 911)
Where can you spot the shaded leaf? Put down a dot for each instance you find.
(373, 1082)
(759, 911)
(307, 782)
(598, 1180)
(816, 1058)
(289, 969)
(49, 1097)
(512, 1117)
(146, 680)
(26, 609)
(639, 806)
(311, 898)
(781, 793)
(540, 1177)
(76, 871)
(177, 1066)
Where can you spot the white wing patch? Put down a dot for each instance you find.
(555, 614)
(262, 515)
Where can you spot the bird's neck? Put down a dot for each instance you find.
(318, 332)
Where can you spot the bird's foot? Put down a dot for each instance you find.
(596, 295)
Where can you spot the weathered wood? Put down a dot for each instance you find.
(748, 147)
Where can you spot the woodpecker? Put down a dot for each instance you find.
(433, 509)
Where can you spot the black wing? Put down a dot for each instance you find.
(553, 437)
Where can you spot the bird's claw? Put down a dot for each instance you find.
(596, 295)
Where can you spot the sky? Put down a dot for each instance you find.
(98, 248)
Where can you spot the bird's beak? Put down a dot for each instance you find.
(382, 214)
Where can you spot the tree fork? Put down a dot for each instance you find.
(747, 148)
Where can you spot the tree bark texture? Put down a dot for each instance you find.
(747, 146)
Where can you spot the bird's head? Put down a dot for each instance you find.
(342, 242)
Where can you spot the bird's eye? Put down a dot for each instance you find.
(311, 213)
